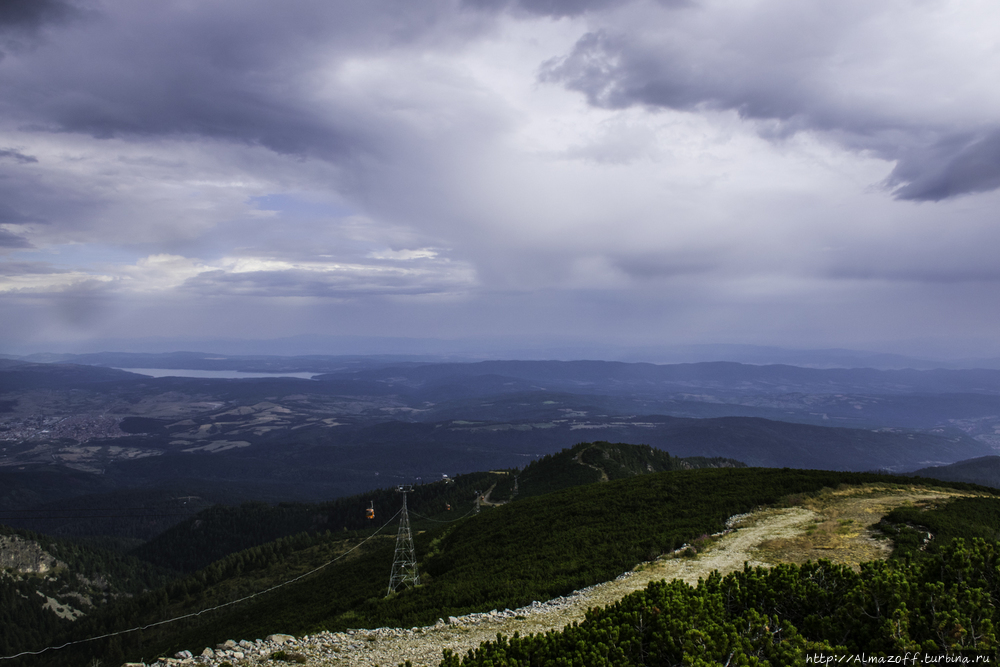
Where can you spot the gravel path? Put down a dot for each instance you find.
(389, 647)
(834, 526)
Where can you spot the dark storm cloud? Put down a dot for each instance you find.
(16, 156)
(8, 240)
(952, 166)
(783, 90)
(208, 106)
(12, 216)
(543, 7)
(556, 8)
(32, 14)
(29, 198)
(365, 166)
(247, 77)
(649, 266)
(614, 74)
(616, 71)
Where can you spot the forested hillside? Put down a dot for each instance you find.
(247, 547)
(939, 593)
(70, 580)
(917, 531)
(984, 470)
(780, 615)
(591, 462)
(220, 530)
(531, 549)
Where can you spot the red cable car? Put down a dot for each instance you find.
(370, 512)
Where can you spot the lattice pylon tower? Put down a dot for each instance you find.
(404, 565)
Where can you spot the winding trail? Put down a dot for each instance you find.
(834, 525)
(600, 471)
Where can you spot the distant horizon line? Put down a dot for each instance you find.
(836, 358)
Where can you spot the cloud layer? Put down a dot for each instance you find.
(630, 171)
(880, 78)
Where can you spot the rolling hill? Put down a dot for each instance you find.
(984, 470)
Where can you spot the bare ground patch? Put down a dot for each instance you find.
(841, 529)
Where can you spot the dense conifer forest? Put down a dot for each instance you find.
(505, 557)
(546, 545)
(947, 602)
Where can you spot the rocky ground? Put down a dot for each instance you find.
(833, 526)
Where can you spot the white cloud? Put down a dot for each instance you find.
(408, 161)
(419, 253)
(44, 283)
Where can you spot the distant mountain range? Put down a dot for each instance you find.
(576, 375)
(72, 430)
(984, 470)
(439, 350)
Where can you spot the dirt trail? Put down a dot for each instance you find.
(601, 472)
(833, 526)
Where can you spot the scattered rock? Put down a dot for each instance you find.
(422, 646)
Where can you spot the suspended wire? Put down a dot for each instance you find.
(104, 509)
(204, 611)
(161, 509)
(84, 509)
(444, 520)
(94, 516)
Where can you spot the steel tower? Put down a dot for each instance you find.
(404, 566)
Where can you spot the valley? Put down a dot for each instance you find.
(69, 430)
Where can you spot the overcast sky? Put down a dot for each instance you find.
(775, 172)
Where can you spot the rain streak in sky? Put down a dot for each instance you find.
(631, 173)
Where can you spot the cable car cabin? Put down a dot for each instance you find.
(447, 506)
(370, 512)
